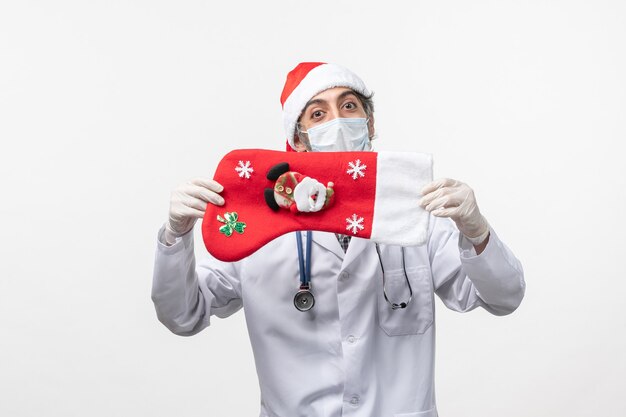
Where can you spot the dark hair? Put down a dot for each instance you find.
(367, 102)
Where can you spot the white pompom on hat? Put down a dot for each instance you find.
(305, 81)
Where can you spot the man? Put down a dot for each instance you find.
(353, 353)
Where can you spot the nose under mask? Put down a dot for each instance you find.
(341, 134)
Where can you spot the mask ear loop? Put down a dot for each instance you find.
(395, 306)
(305, 141)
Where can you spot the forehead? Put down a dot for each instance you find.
(333, 94)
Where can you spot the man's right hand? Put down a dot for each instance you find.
(188, 203)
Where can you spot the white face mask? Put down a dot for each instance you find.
(341, 134)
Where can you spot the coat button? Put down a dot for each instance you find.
(344, 275)
(355, 400)
(351, 339)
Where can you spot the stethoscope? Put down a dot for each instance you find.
(304, 299)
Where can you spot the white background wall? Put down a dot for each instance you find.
(105, 106)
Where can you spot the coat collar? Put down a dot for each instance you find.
(329, 242)
(355, 249)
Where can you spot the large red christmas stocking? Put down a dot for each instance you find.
(372, 195)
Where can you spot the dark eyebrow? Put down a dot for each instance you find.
(320, 101)
(311, 102)
(345, 94)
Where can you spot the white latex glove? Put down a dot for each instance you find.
(446, 197)
(188, 203)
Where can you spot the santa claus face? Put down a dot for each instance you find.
(284, 189)
(299, 193)
(338, 102)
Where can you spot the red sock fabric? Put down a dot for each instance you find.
(372, 195)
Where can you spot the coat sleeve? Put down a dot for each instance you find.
(184, 296)
(463, 280)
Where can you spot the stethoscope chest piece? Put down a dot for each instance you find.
(304, 300)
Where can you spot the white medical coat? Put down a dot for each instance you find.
(351, 354)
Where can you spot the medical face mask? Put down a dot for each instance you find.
(341, 134)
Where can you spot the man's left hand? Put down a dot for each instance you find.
(446, 197)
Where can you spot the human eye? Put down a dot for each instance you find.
(317, 114)
(350, 105)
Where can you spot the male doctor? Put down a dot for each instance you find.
(353, 354)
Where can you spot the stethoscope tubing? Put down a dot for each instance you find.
(305, 274)
(395, 306)
(305, 265)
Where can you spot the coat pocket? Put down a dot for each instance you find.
(417, 317)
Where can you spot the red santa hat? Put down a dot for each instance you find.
(371, 195)
(305, 81)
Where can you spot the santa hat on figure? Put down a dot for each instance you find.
(307, 80)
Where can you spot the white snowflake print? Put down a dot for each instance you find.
(244, 170)
(355, 224)
(356, 169)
